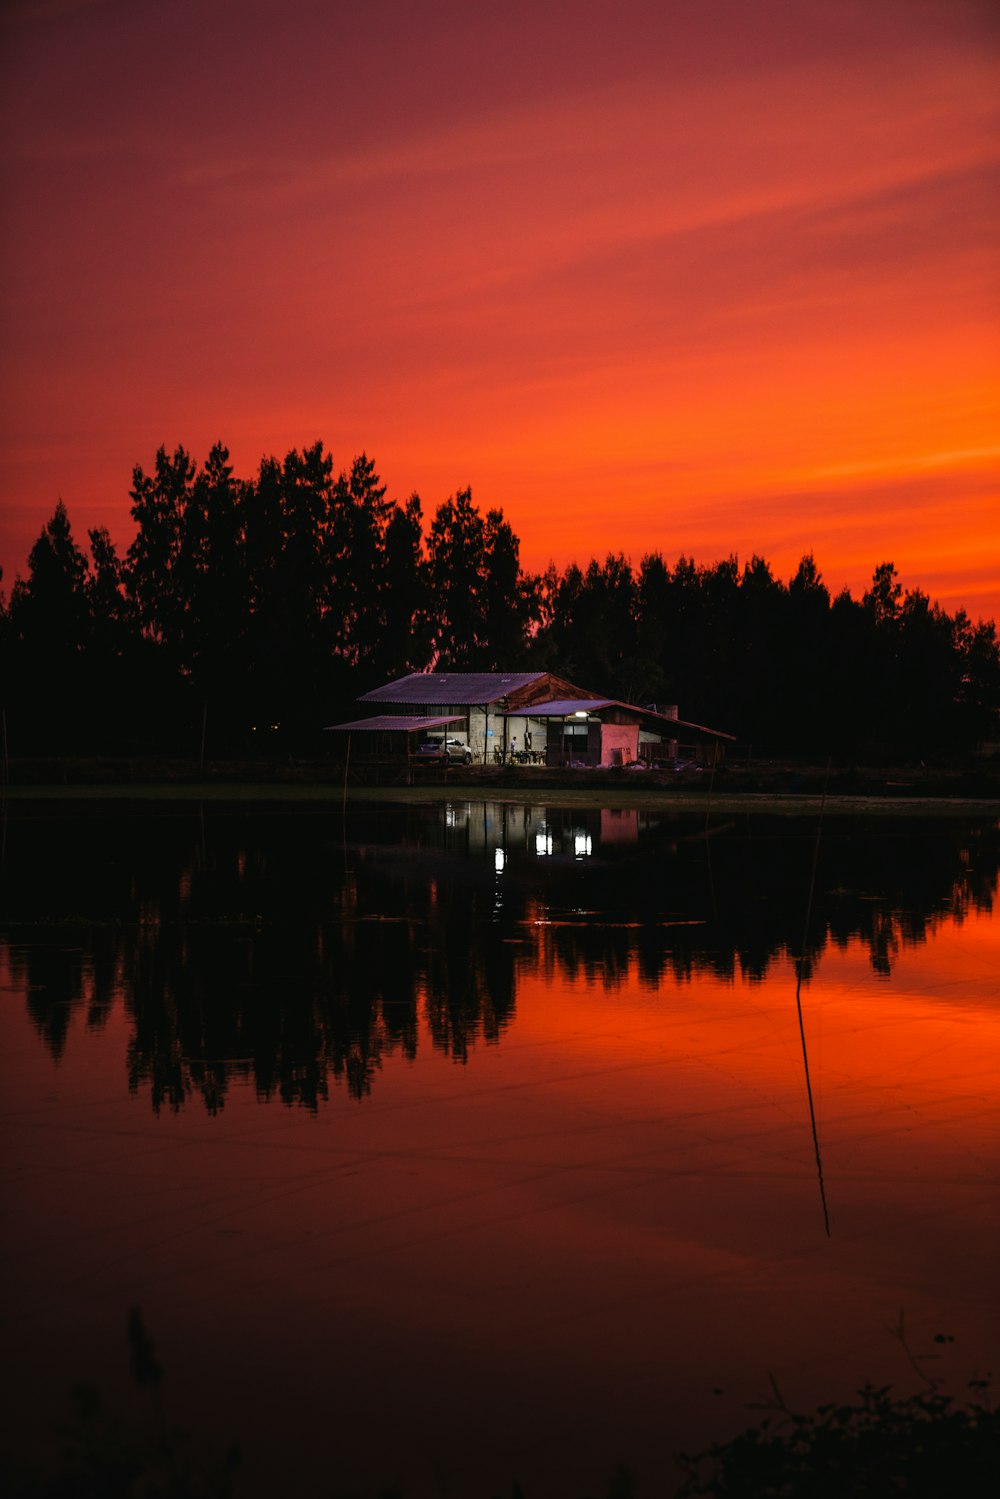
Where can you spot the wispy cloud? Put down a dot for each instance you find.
(686, 273)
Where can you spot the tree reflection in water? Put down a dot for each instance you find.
(259, 944)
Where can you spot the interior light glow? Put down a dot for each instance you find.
(499, 860)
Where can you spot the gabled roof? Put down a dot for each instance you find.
(481, 689)
(388, 722)
(433, 687)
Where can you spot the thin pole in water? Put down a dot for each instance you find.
(711, 785)
(798, 1005)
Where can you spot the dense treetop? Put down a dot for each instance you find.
(264, 606)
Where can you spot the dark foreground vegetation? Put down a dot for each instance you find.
(921, 1446)
(248, 613)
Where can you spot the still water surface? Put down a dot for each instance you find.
(451, 1144)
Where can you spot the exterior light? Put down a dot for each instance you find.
(580, 713)
(499, 860)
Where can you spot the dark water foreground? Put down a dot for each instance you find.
(443, 1145)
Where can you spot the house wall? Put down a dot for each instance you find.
(518, 729)
(491, 731)
(565, 745)
(476, 733)
(655, 747)
(619, 743)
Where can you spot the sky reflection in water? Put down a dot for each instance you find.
(477, 1142)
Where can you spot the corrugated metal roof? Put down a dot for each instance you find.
(683, 723)
(474, 687)
(665, 724)
(562, 707)
(566, 707)
(395, 721)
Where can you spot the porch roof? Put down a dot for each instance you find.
(393, 722)
(564, 707)
(567, 707)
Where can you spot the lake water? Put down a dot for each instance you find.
(444, 1145)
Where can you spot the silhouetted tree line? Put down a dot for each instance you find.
(263, 949)
(251, 611)
(784, 667)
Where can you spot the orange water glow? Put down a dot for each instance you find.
(613, 1210)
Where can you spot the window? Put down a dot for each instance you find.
(574, 740)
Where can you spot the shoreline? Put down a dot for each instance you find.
(330, 796)
(768, 784)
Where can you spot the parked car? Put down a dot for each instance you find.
(456, 751)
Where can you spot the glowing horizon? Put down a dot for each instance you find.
(695, 279)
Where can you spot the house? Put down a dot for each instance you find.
(526, 718)
(494, 706)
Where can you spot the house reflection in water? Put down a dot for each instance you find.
(500, 1086)
(498, 832)
(431, 917)
(619, 825)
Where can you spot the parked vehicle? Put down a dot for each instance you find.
(455, 751)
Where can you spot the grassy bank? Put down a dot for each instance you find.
(777, 784)
(579, 789)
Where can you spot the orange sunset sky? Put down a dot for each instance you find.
(699, 276)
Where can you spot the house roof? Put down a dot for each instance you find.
(567, 707)
(391, 722)
(485, 688)
(562, 707)
(479, 687)
(701, 728)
